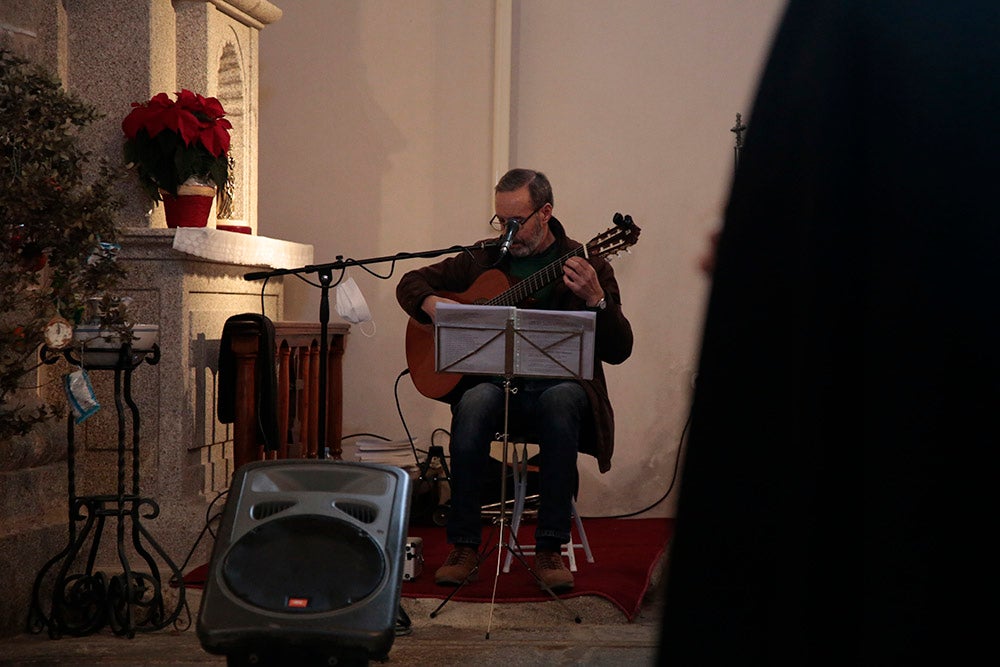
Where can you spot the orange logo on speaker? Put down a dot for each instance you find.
(298, 603)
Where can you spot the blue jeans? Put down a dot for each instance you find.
(551, 412)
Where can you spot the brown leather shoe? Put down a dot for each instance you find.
(550, 569)
(458, 567)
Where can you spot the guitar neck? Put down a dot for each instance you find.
(536, 281)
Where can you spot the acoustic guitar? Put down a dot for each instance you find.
(493, 288)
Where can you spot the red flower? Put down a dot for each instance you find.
(194, 117)
(151, 116)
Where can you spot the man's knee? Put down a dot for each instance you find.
(481, 399)
(564, 397)
(475, 416)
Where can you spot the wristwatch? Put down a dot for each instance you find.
(600, 305)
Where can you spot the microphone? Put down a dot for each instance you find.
(508, 238)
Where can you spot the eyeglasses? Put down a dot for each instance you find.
(500, 224)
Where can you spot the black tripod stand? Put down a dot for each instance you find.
(428, 482)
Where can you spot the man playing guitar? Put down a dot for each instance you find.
(562, 416)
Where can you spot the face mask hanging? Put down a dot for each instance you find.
(351, 305)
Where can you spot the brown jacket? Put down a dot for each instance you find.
(613, 336)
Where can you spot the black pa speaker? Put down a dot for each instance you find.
(307, 564)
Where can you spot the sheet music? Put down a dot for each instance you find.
(555, 343)
(542, 343)
(471, 339)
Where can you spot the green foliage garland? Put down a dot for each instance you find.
(57, 230)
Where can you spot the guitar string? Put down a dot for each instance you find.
(522, 290)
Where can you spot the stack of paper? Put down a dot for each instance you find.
(389, 452)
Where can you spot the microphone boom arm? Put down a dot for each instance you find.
(342, 263)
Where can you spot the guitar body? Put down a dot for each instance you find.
(420, 338)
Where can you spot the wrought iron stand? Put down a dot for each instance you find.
(83, 602)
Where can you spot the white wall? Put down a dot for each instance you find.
(375, 130)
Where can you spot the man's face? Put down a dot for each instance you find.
(533, 235)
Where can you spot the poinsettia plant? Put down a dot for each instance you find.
(170, 142)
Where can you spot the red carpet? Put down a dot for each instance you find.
(625, 552)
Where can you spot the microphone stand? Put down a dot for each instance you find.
(324, 272)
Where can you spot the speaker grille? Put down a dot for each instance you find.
(363, 512)
(304, 564)
(263, 510)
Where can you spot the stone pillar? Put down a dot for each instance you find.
(187, 452)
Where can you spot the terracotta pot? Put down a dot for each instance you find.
(239, 229)
(191, 206)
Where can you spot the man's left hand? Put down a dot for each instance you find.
(581, 279)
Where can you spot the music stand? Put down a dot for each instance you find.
(512, 342)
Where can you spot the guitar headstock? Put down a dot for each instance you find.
(622, 236)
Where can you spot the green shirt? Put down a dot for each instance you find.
(522, 267)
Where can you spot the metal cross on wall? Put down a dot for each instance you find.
(738, 129)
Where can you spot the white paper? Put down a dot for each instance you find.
(495, 340)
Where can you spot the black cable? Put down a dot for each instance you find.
(673, 480)
(263, 288)
(403, 623)
(183, 625)
(439, 430)
(399, 411)
(392, 269)
(209, 520)
(402, 420)
(362, 434)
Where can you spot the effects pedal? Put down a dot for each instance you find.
(413, 565)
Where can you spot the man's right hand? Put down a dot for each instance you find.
(430, 303)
